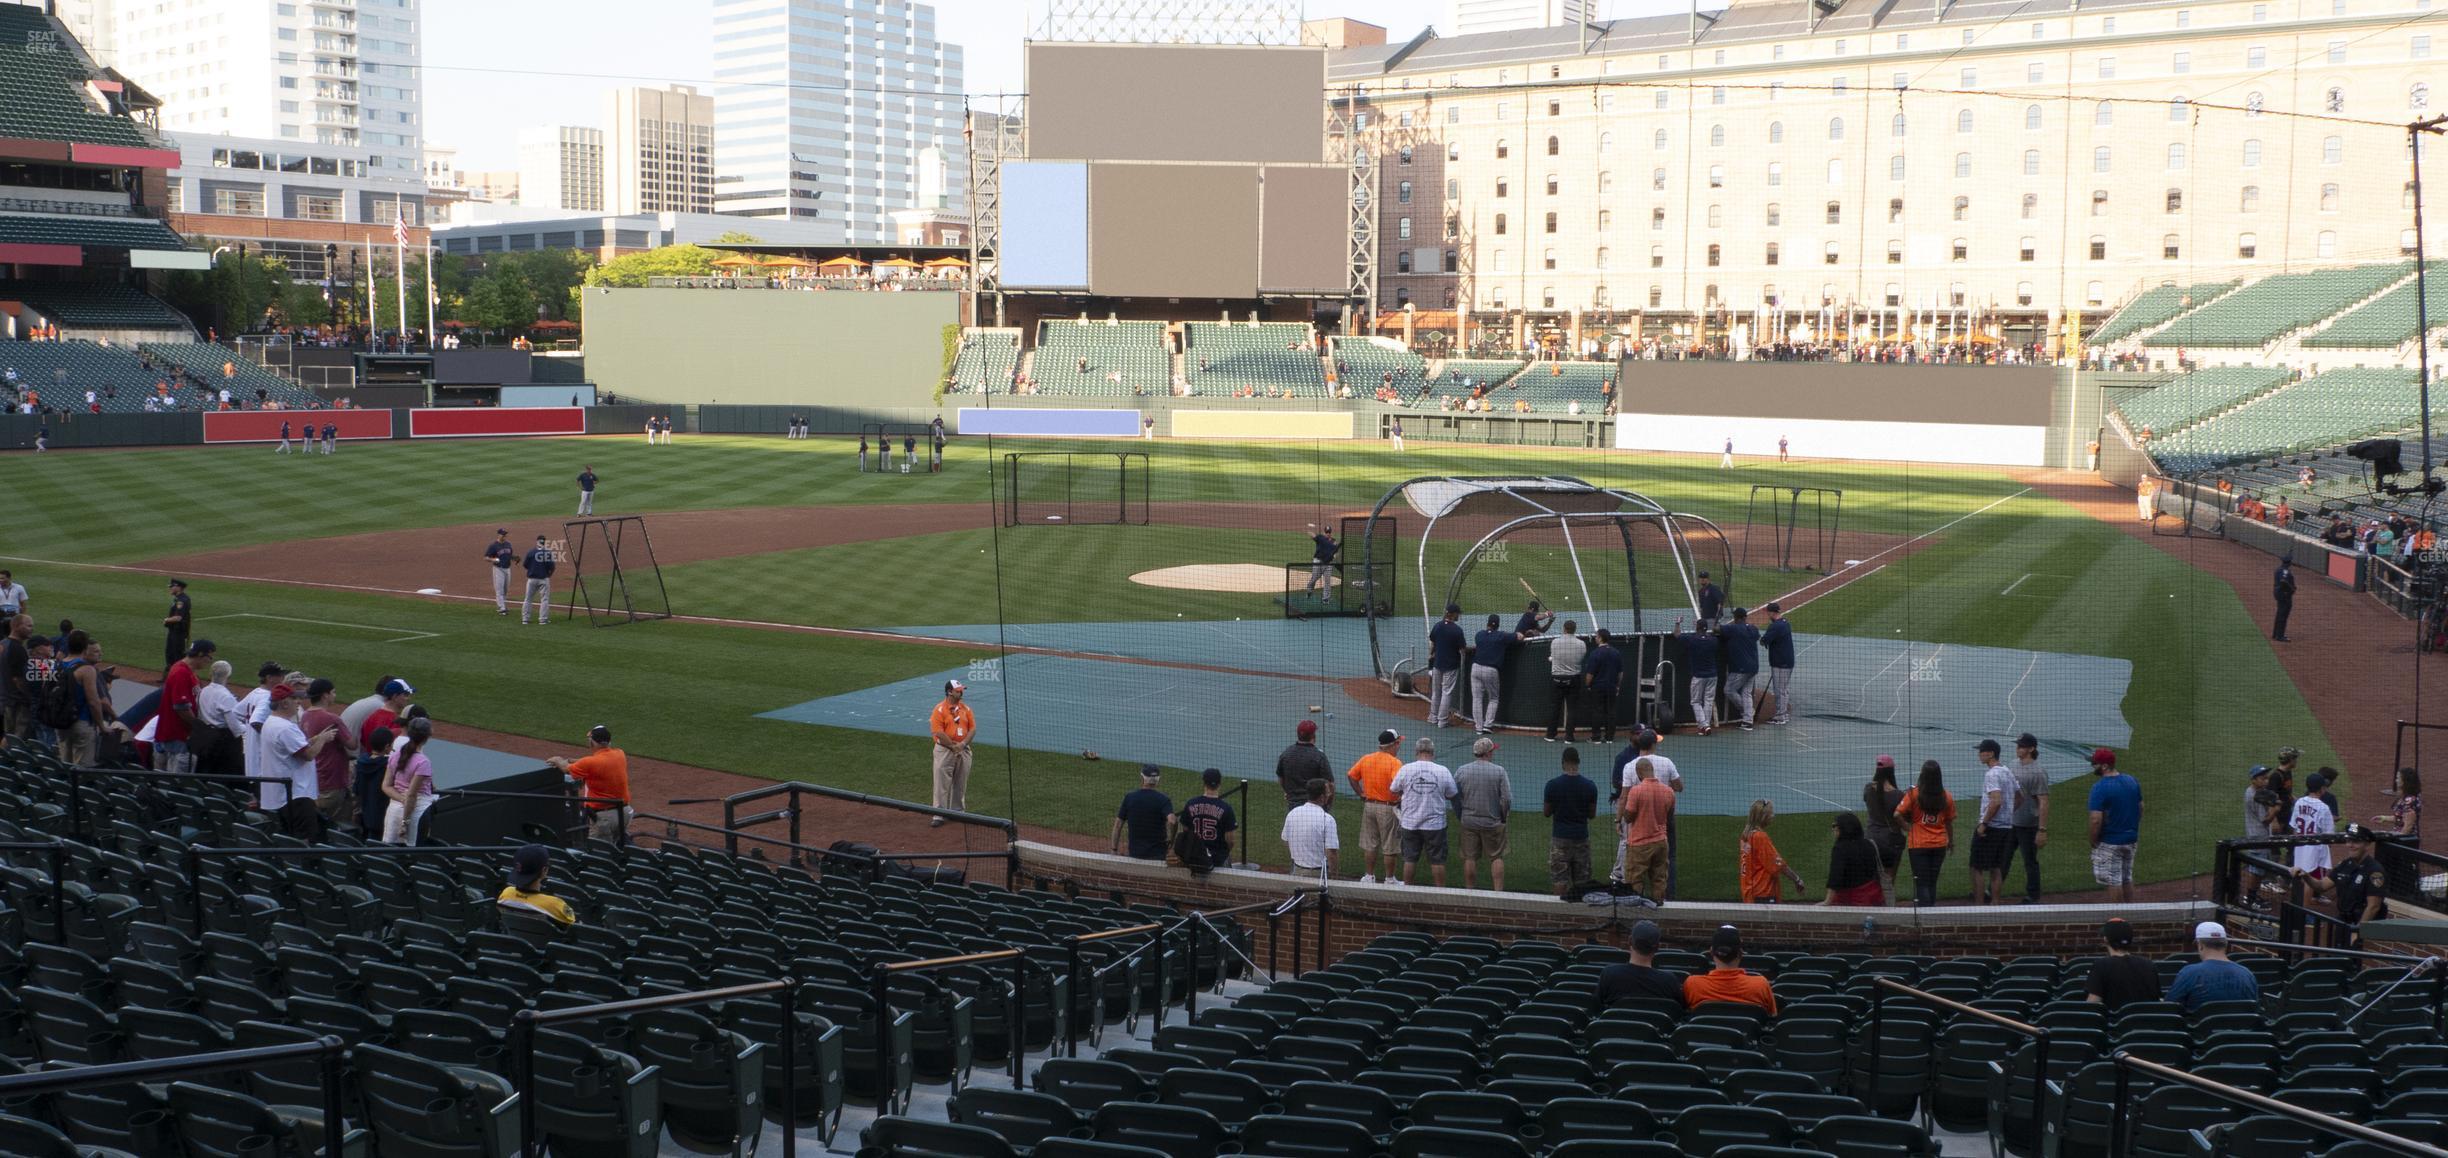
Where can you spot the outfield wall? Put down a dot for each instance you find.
(1988, 415)
(768, 347)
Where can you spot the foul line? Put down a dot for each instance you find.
(2017, 583)
(411, 633)
(1841, 573)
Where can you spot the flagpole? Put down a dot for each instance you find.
(367, 240)
(399, 264)
(429, 293)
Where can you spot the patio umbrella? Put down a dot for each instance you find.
(734, 261)
(896, 263)
(845, 261)
(947, 263)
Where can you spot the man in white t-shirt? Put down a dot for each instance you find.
(2312, 817)
(1310, 834)
(1993, 834)
(249, 717)
(1422, 789)
(12, 596)
(288, 753)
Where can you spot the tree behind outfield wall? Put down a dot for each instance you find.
(233, 294)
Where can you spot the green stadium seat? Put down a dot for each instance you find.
(1273, 358)
(28, 1138)
(2266, 310)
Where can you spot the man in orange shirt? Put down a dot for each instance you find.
(1726, 979)
(1372, 776)
(604, 771)
(1646, 808)
(952, 724)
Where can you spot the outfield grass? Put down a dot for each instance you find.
(2028, 573)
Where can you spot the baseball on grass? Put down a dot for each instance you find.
(1317, 707)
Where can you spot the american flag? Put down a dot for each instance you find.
(399, 230)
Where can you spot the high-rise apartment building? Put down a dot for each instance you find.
(1464, 17)
(337, 74)
(658, 151)
(836, 110)
(562, 167)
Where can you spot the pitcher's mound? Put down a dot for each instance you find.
(1252, 578)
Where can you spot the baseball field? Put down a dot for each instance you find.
(820, 609)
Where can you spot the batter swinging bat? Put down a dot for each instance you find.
(1527, 587)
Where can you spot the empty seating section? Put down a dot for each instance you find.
(61, 373)
(985, 362)
(2387, 321)
(2266, 310)
(1456, 377)
(98, 305)
(1468, 1046)
(1103, 359)
(2339, 406)
(1269, 357)
(409, 962)
(1553, 386)
(2154, 306)
(2188, 398)
(1365, 364)
(42, 86)
(103, 232)
(205, 361)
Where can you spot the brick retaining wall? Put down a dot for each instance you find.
(1358, 913)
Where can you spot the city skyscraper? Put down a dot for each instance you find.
(658, 150)
(562, 167)
(837, 111)
(337, 73)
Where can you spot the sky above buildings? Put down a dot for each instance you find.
(494, 67)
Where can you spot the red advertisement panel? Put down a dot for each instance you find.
(495, 421)
(265, 425)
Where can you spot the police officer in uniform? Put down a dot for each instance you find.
(2282, 588)
(179, 622)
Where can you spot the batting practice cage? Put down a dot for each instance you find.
(1042, 488)
(1554, 551)
(895, 445)
(613, 575)
(1791, 528)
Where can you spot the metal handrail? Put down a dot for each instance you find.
(732, 820)
(2266, 1105)
(327, 1052)
(796, 848)
(59, 888)
(525, 1022)
(2039, 1036)
(1015, 1007)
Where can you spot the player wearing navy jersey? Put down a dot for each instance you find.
(283, 448)
(586, 490)
(539, 566)
(499, 554)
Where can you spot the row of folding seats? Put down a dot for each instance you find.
(2154, 306)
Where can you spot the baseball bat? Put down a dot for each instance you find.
(1527, 587)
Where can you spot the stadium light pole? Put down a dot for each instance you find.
(2422, 304)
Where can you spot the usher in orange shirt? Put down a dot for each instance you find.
(1374, 773)
(954, 720)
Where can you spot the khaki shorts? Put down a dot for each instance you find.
(1568, 861)
(1483, 843)
(1380, 829)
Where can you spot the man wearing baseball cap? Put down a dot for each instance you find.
(1372, 777)
(1301, 763)
(499, 555)
(603, 775)
(2214, 977)
(2120, 978)
(1638, 978)
(2361, 889)
(2116, 826)
(1445, 643)
(1145, 814)
(952, 724)
(1726, 979)
(525, 893)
